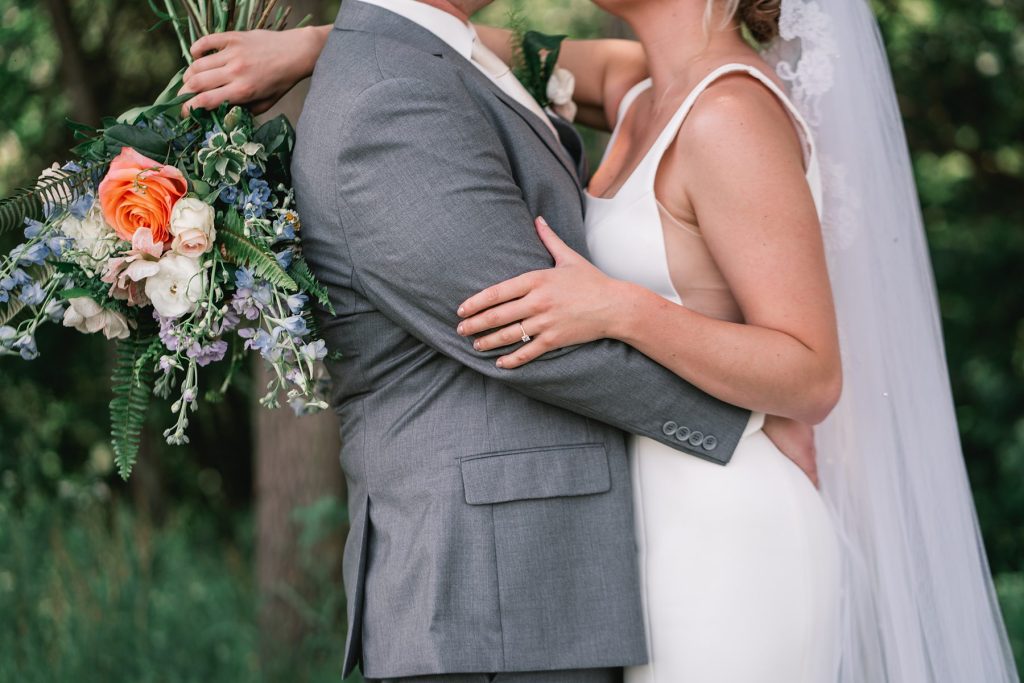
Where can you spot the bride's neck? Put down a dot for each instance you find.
(674, 36)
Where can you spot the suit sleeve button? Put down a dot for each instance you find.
(696, 438)
(710, 443)
(669, 428)
(683, 434)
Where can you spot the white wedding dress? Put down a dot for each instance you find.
(739, 564)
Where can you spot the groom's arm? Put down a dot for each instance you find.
(432, 214)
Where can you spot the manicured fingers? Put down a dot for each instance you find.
(207, 63)
(207, 100)
(496, 318)
(552, 242)
(511, 334)
(211, 43)
(508, 290)
(524, 354)
(207, 80)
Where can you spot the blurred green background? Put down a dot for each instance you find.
(163, 578)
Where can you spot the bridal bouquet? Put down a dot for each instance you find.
(175, 237)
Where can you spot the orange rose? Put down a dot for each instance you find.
(138, 192)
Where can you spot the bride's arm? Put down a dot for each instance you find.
(604, 70)
(255, 68)
(758, 217)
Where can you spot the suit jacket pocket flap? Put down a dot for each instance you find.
(538, 473)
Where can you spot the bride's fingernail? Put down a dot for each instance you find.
(462, 310)
(540, 219)
(500, 363)
(460, 329)
(477, 345)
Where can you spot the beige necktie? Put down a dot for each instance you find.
(499, 72)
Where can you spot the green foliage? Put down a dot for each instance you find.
(536, 58)
(243, 251)
(304, 277)
(28, 203)
(132, 381)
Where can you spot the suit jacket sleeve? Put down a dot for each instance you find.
(431, 214)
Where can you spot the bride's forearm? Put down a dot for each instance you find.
(754, 367)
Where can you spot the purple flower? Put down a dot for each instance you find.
(33, 255)
(262, 341)
(284, 258)
(263, 293)
(229, 194)
(26, 346)
(7, 335)
(167, 364)
(18, 278)
(314, 351)
(80, 207)
(32, 295)
(209, 353)
(168, 332)
(296, 302)
(32, 229)
(244, 279)
(295, 325)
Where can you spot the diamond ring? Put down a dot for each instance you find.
(526, 338)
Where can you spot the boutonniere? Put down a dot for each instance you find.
(535, 64)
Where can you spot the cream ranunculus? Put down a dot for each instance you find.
(94, 239)
(192, 227)
(85, 315)
(177, 287)
(561, 87)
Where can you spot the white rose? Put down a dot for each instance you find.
(192, 227)
(94, 239)
(177, 286)
(561, 86)
(87, 316)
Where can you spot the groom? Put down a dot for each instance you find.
(492, 524)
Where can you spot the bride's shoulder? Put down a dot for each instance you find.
(738, 110)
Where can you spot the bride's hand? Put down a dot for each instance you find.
(572, 303)
(250, 67)
(796, 441)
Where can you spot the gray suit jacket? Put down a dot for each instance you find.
(492, 526)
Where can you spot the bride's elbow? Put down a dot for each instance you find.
(824, 395)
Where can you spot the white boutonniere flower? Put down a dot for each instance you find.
(560, 89)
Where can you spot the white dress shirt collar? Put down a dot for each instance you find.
(449, 28)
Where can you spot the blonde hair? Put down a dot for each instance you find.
(761, 17)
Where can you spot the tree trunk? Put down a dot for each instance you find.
(296, 465)
(75, 76)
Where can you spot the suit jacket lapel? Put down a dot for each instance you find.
(358, 16)
(538, 126)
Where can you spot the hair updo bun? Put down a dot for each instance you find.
(761, 17)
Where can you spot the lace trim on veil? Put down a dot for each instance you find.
(804, 57)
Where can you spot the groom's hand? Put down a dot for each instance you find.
(796, 441)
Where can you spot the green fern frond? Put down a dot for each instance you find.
(132, 381)
(10, 311)
(302, 275)
(28, 202)
(241, 250)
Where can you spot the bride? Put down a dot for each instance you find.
(703, 222)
